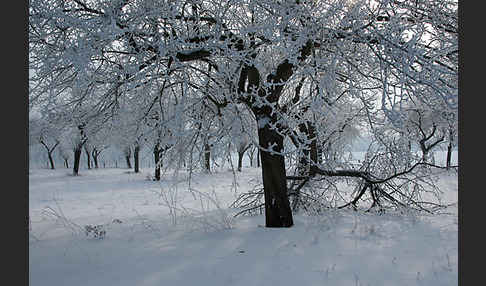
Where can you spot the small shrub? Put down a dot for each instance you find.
(97, 231)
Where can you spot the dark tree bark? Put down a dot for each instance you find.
(425, 149)
(127, 159)
(449, 150)
(95, 154)
(449, 156)
(88, 158)
(79, 148)
(157, 161)
(51, 161)
(95, 160)
(128, 153)
(314, 152)
(207, 157)
(240, 160)
(77, 158)
(136, 159)
(241, 153)
(277, 206)
(303, 166)
(251, 154)
(158, 152)
(258, 158)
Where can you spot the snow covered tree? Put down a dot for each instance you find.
(242, 131)
(98, 142)
(290, 62)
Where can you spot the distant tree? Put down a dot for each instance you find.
(49, 141)
(99, 142)
(251, 154)
(243, 131)
(452, 131)
(426, 128)
(78, 141)
(127, 153)
(46, 130)
(95, 153)
(87, 150)
(65, 154)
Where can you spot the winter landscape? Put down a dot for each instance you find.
(238, 142)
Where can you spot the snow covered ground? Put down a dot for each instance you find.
(159, 233)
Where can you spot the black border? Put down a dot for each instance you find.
(470, 142)
(14, 187)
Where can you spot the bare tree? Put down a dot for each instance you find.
(46, 131)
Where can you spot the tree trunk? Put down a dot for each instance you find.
(258, 158)
(449, 150)
(409, 154)
(314, 152)
(88, 157)
(449, 155)
(424, 157)
(240, 161)
(424, 152)
(77, 158)
(51, 161)
(95, 154)
(127, 158)
(251, 153)
(207, 157)
(277, 206)
(136, 158)
(157, 163)
(303, 164)
(95, 160)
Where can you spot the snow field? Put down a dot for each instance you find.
(170, 236)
